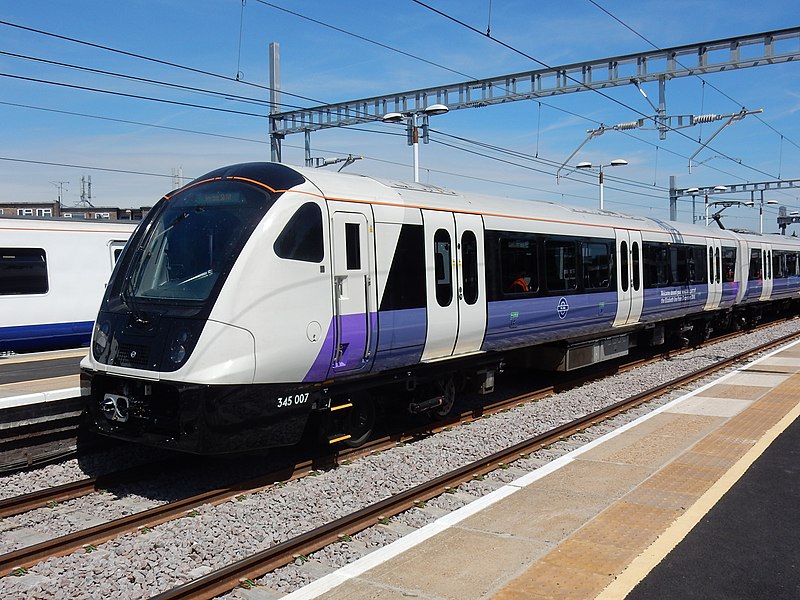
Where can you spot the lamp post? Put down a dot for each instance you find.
(617, 162)
(412, 128)
(761, 210)
(693, 191)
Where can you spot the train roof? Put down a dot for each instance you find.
(392, 192)
(348, 185)
(61, 224)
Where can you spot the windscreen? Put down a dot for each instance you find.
(195, 240)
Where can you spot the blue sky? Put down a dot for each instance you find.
(130, 147)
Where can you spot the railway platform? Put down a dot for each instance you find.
(40, 406)
(697, 499)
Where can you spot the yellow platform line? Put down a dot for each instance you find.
(639, 568)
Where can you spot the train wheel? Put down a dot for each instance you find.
(447, 388)
(359, 422)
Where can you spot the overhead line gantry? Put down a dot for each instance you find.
(753, 50)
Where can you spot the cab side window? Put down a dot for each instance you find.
(301, 238)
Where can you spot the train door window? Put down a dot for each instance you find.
(405, 283)
(352, 240)
(469, 266)
(728, 264)
(623, 265)
(561, 264)
(710, 265)
(766, 269)
(635, 264)
(755, 265)
(596, 262)
(718, 264)
(301, 238)
(23, 271)
(442, 259)
(116, 251)
(518, 265)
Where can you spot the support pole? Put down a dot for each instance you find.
(673, 199)
(274, 100)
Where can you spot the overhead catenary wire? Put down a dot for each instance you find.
(317, 101)
(705, 82)
(169, 63)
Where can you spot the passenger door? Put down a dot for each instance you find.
(766, 269)
(629, 272)
(455, 284)
(354, 301)
(471, 292)
(713, 252)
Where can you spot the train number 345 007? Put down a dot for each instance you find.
(286, 401)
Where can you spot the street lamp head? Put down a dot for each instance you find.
(393, 117)
(619, 162)
(583, 165)
(749, 203)
(720, 188)
(693, 191)
(435, 109)
(771, 202)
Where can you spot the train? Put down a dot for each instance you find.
(262, 301)
(53, 274)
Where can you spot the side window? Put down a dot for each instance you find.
(791, 264)
(728, 264)
(442, 260)
(658, 271)
(301, 238)
(469, 266)
(561, 265)
(755, 265)
(405, 283)
(23, 271)
(679, 264)
(698, 269)
(518, 270)
(596, 262)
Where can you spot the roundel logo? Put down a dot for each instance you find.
(562, 308)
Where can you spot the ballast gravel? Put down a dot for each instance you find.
(154, 560)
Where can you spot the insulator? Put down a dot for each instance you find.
(705, 118)
(627, 126)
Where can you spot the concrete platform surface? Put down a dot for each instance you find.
(595, 522)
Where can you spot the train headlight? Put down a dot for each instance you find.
(179, 347)
(101, 338)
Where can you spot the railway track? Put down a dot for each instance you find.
(229, 577)
(48, 497)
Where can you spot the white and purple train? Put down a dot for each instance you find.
(53, 274)
(260, 295)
